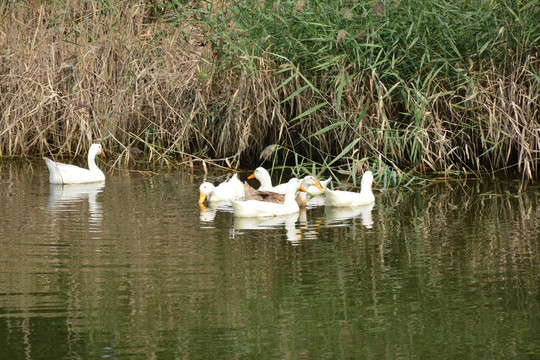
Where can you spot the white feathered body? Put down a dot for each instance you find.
(265, 179)
(228, 190)
(255, 208)
(349, 198)
(70, 174)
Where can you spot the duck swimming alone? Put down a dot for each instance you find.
(70, 174)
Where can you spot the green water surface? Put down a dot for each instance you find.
(134, 270)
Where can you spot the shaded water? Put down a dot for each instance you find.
(133, 269)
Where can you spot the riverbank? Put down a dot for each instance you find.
(402, 88)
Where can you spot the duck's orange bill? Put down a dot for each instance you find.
(102, 153)
(301, 188)
(202, 197)
(252, 176)
(318, 185)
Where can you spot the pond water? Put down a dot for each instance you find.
(136, 269)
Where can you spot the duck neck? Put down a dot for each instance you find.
(365, 188)
(92, 162)
(266, 182)
(290, 195)
(301, 198)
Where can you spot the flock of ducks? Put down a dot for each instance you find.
(282, 199)
(267, 200)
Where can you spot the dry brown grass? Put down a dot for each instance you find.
(109, 76)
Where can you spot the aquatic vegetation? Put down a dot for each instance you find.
(406, 89)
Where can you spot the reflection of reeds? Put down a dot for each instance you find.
(397, 86)
(483, 223)
(154, 263)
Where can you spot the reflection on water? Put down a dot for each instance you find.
(208, 211)
(315, 201)
(64, 197)
(338, 214)
(288, 222)
(450, 271)
(296, 226)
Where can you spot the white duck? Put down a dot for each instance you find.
(254, 208)
(308, 182)
(231, 189)
(349, 198)
(314, 191)
(270, 196)
(71, 174)
(264, 178)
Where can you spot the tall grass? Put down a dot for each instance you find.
(427, 86)
(401, 87)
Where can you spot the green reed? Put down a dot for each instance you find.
(414, 85)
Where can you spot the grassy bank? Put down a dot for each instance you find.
(402, 87)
